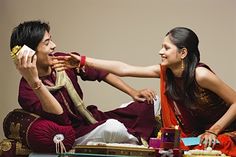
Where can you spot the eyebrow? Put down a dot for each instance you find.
(164, 44)
(46, 40)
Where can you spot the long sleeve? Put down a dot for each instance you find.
(92, 74)
(30, 102)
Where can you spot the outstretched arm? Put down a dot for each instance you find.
(115, 67)
(74, 61)
(123, 69)
(137, 95)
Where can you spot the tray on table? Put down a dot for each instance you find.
(115, 150)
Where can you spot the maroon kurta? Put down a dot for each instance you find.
(138, 117)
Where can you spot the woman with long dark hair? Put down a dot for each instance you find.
(192, 95)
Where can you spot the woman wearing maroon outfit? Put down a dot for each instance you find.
(128, 124)
(192, 95)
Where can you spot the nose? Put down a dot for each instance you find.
(53, 45)
(161, 52)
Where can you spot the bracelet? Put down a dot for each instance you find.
(37, 85)
(211, 132)
(82, 62)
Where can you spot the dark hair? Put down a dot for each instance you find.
(29, 33)
(183, 37)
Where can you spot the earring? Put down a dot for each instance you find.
(182, 63)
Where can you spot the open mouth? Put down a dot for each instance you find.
(51, 54)
(163, 59)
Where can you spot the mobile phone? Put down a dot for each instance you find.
(25, 51)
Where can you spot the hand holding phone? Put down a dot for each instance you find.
(25, 63)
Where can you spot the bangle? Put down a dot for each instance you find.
(82, 61)
(36, 85)
(211, 132)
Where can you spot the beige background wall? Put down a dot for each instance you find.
(126, 30)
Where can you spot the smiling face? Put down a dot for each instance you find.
(171, 56)
(44, 48)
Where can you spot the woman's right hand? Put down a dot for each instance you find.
(64, 62)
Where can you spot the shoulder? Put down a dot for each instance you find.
(157, 69)
(202, 73)
(205, 77)
(153, 70)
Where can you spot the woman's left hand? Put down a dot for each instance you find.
(208, 139)
(144, 94)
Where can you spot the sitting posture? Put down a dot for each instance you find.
(56, 95)
(192, 95)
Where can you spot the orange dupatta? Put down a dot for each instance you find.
(168, 115)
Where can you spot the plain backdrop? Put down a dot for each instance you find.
(127, 30)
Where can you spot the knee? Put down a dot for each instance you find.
(113, 126)
(114, 131)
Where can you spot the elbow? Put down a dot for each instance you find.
(56, 111)
(122, 72)
(118, 68)
(59, 112)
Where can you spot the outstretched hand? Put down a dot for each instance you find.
(144, 94)
(65, 62)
